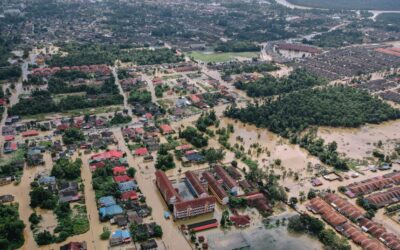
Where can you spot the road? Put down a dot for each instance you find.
(126, 104)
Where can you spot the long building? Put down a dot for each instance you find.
(194, 184)
(169, 193)
(385, 198)
(215, 188)
(373, 184)
(183, 208)
(194, 207)
(229, 182)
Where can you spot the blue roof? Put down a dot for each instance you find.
(126, 186)
(107, 201)
(121, 234)
(194, 157)
(47, 179)
(111, 210)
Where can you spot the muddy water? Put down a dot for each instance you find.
(358, 143)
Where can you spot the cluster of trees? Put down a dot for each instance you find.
(250, 68)
(160, 89)
(10, 72)
(205, 120)
(88, 54)
(41, 100)
(139, 96)
(194, 137)
(316, 146)
(7, 71)
(350, 5)
(337, 38)
(68, 225)
(369, 207)
(213, 155)
(139, 234)
(331, 106)
(103, 183)
(11, 228)
(267, 86)
(72, 135)
(41, 197)
(120, 119)
(58, 85)
(236, 46)
(307, 224)
(165, 160)
(66, 169)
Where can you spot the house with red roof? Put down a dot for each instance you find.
(240, 220)
(9, 138)
(129, 195)
(119, 170)
(96, 165)
(108, 155)
(195, 99)
(122, 178)
(166, 129)
(139, 131)
(30, 133)
(2, 102)
(141, 151)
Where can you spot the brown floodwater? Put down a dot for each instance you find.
(358, 143)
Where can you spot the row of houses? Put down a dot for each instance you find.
(357, 215)
(318, 206)
(373, 184)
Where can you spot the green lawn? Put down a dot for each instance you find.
(220, 57)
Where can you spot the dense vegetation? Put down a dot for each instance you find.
(139, 96)
(236, 46)
(11, 228)
(73, 135)
(316, 146)
(41, 100)
(250, 68)
(205, 120)
(336, 38)
(103, 183)
(98, 54)
(194, 137)
(316, 228)
(6, 70)
(269, 85)
(331, 106)
(350, 5)
(165, 160)
(65, 169)
(120, 119)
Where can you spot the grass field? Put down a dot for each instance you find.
(220, 57)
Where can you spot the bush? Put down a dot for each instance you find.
(106, 234)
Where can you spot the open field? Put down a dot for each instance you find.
(221, 57)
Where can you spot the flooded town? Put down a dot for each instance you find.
(187, 124)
